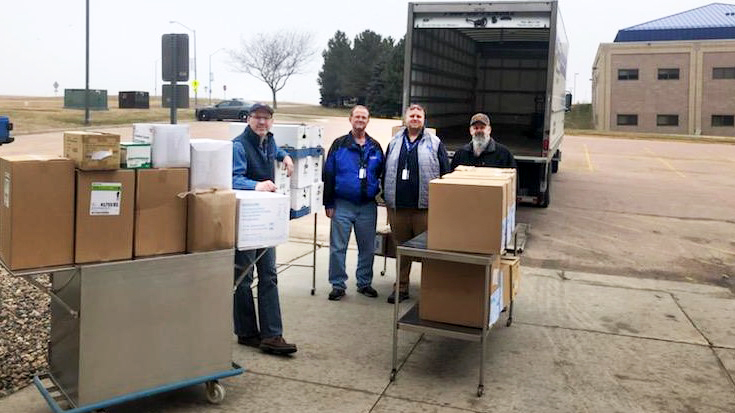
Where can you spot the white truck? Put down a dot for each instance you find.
(506, 59)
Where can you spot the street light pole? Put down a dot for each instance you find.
(210, 72)
(195, 55)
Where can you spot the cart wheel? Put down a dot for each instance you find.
(312, 291)
(382, 273)
(215, 392)
(480, 390)
(393, 376)
(509, 322)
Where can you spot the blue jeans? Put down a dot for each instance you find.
(363, 218)
(269, 308)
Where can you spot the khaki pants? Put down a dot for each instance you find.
(405, 224)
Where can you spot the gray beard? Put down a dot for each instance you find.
(479, 143)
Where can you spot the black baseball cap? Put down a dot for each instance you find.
(261, 106)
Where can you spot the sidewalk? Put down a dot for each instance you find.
(579, 342)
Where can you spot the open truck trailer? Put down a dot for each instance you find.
(506, 59)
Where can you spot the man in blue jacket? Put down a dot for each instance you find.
(253, 168)
(352, 178)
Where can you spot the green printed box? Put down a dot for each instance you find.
(135, 155)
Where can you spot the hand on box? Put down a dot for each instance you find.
(288, 162)
(329, 212)
(266, 186)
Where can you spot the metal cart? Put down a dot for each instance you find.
(410, 321)
(130, 329)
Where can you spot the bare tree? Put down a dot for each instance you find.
(274, 57)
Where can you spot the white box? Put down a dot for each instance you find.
(211, 164)
(314, 135)
(170, 146)
(496, 299)
(316, 168)
(282, 180)
(300, 198)
(135, 155)
(317, 197)
(236, 128)
(143, 132)
(262, 219)
(293, 136)
(303, 172)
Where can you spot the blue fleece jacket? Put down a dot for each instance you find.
(342, 171)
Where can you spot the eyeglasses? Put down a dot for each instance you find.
(264, 118)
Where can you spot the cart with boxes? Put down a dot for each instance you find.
(138, 239)
(467, 280)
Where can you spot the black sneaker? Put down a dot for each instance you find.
(402, 296)
(368, 291)
(336, 294)
(249, 341)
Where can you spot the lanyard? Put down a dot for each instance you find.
(410, 145)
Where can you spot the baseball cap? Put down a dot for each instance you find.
(480, 117)
(260, 106)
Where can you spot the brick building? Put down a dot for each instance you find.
(674, 75)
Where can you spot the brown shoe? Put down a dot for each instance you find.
(277, 345)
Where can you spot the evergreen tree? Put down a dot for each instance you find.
(385, 89)
(335, 69)
(368, 48)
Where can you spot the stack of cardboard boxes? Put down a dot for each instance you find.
(105, 200)
(472, 210)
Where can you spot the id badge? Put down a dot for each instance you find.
(362, 174)
(404, 175)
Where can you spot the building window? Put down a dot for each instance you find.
(723, 120)
(667, 120)
(723, 73)
(627, 120)
(668, 74)
(627, 74)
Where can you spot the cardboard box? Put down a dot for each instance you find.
(453, 293)
(160, 215)
(211, 164)
(506, 175)
(134, 155)
(300, 198)
(170, 146)
(92, 151)
(303, 171)
(510, 267)
(317, 197)
(282, 180)
(211, 220)
(104, 215)
(467, 215)
(143, 132)
(292, 136)
(314, 135)
(262, 219)
(36, 211)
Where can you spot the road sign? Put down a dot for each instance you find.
(195, 84)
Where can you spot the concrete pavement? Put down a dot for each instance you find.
(580, 342)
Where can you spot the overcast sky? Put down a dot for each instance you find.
(43, 41)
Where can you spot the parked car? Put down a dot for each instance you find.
(227, 109)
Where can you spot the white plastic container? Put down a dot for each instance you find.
(282, 180)
(303, 172)
(300, 198)
(170, 146)
(293, 136)
(314, 135)
(317, 197)
(211, 164)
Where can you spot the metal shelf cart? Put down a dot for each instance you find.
(410, 321)
(129, 329)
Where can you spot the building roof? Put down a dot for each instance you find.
(713, 21)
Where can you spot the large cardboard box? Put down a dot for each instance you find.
(467, 215)
(211, 220)
(211, 164)
(453, 293)
(36, 211)
(104, 212)
(160, 215)
(92, 151)
(262, 219)
(510, 267)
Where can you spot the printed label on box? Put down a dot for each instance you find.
(105, 198)
(6, 190)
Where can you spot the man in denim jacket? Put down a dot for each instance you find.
(254, 154)
(352, 178)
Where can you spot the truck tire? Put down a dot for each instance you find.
(546, 196)
(554, 167)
